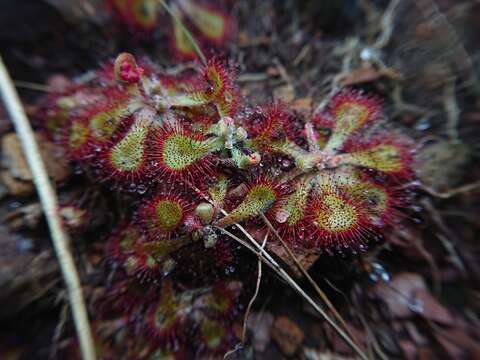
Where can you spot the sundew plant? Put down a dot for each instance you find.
(189, 159)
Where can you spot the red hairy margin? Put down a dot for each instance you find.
(178, 154)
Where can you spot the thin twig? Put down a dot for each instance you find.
(252, 300)
(257, 288)
(187, 33)
(301, 55)
(386, 25)
(58, 331)
(451, 193)
(283, 72)
(49, 203)
(452, 110)
(253, 77)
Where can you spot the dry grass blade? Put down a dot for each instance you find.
(49, 203)
(247, 245)
(187, 33)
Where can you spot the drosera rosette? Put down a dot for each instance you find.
(348, 143)
(332, 183)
